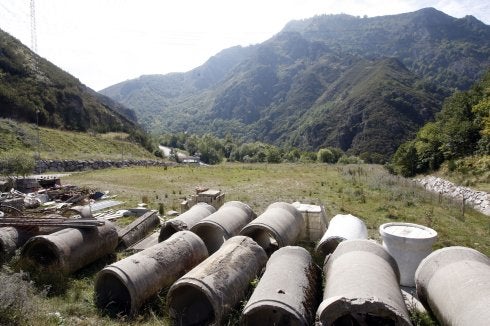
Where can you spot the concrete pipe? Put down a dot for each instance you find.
(68, 250)
(121, 288)
(206, 294)
(225, 223)
(287, 292)
(361, 287)
(340, 228)
(454, 283)
(408, 243)
(12, 238)
(280, 225)
(138, 229)
(186, 220)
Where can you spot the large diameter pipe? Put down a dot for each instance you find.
(280, 225)
(121, 288)
(138, 229)
(454, 283)
(341, 228)
(186, 220)
(225, 223)
(287, 292)
(12, 238)
(361, 287)
(68, 250)
(206, 294)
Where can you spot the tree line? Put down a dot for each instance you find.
(213, 150)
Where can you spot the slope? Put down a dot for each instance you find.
(34, 90)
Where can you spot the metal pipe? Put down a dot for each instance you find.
(186, 220)
(287, 292)
(280, 225)
(121, 288)
(361, 287)
(454, 283)
(225, 223)
(206, 294)
(340, 228)
(68, 250)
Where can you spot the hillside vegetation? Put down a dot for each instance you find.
(34, 90)
(364, 85)
(58, 144)
(460, 132)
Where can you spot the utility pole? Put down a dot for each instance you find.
(38, 139)
(33, 27)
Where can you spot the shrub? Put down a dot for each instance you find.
(16, 164)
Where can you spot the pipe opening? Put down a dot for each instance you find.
(211, 235)
(190, 306)
(43, 255)
(167, 231)
(112, 296)
(264, 239)
(270, 315)
(360, 319)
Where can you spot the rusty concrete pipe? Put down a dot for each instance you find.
(206, 294)
(138, 229)
(361, 287)
(287, 292)
(121, 288)
(186, 220)
(280, 225)
(68, 250)
(341, 227)
(454, 283)
(225, 223)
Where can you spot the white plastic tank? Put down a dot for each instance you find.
(408, 243)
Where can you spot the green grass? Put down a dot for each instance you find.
(59, 144)
(366, 191)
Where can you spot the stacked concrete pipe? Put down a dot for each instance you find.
(280, 225)
(206, 294)
(225, 223)
(186, 220)
(454, 283)
(361, 287)
(287, 292)
(121, 288)
(68, 250)
(340, 228)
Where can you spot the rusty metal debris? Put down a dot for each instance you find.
(25, 221)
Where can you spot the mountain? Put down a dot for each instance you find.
(34, 90)
(362, 84)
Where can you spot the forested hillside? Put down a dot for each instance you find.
(461, 129)
(34, 90)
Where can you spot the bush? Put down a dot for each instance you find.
(16, 164)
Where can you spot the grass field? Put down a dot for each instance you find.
(68, 145)
(366, 191)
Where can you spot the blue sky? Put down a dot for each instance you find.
(103, 42)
